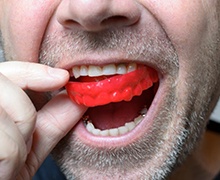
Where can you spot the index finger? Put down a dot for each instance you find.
(34, 76)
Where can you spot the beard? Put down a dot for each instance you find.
(173, 133)
(175, 130)
(153, 156)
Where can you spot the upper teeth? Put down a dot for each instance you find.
(109, 69)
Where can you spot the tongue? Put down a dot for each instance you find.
(114, 115)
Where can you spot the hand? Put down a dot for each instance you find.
(28, 136)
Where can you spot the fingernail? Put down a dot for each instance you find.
(57, 73)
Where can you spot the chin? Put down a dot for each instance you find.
(146, 111)
(143, 137)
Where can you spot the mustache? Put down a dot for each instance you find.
(132, 44)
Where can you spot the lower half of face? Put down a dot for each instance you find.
(167, 132)
(141, 135)
(148, 97)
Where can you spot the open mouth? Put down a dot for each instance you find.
(118, 96)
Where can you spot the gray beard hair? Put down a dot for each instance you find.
(80, 161)
(132, 45)
(155, 155)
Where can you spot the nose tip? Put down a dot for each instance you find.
(90, 15)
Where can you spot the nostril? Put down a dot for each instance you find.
(104, 14)
(114, 20)
(70, 23)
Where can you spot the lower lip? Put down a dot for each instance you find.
(89, 139)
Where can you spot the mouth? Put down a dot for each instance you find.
(119, 97)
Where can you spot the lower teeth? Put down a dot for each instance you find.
(115, 131)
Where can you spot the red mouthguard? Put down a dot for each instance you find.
(114, 89)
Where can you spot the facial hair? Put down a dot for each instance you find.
(74, 157)
(175, 130)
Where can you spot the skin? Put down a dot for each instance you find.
(204, 160)
(184, 36)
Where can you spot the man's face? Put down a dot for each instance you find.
(179, 39)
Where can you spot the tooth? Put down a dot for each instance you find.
(109, 69)
(90, 127)
(113, 132)
(83, 71)
(130, 125)
(137, 120)
(94, 71)
(131, 67)
(76, 72)
(104, 132)
(143, 111)
(96, 131)
(122, 130)
(121, 69)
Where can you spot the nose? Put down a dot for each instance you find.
(97, 15)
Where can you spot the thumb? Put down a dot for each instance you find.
(54, 121)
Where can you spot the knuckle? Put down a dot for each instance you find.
(54, 127)
(29, 115)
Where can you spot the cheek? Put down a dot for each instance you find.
(23, 25)
(190, 25)
(185, 22)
